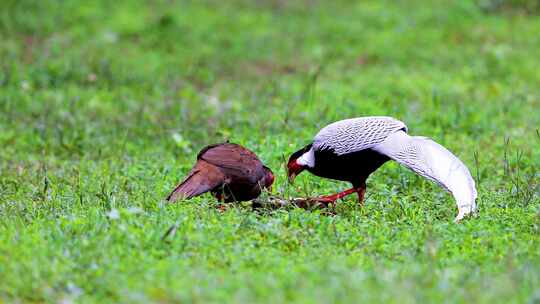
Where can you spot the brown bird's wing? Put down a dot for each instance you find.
(236, 162)
(202, 178)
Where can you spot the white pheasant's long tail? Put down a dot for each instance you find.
(433, 161)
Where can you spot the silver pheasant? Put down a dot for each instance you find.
(352, 149)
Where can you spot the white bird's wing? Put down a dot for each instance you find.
(433, 161)
(356, 134)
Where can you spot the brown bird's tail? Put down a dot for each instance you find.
(199, 181)
(188, 188)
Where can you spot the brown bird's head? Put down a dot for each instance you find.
(294, 167)
(268, 178)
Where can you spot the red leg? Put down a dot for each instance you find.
(361, 192)
(359, 188)
(218, 195)
(327, 199)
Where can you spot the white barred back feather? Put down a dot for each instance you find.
(356, 134)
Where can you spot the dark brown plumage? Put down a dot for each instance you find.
(229, 171)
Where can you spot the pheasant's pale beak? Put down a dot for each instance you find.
(292, 176)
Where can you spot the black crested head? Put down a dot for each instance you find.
(299, 153)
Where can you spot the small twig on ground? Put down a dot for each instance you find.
(276, 202)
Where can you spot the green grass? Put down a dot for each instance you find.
(104, 106)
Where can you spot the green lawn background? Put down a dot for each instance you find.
(104, 105)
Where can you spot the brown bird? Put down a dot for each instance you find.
(229, 171)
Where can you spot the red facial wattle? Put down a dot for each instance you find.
(293, 169)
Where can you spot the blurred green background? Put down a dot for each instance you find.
(104, 105)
